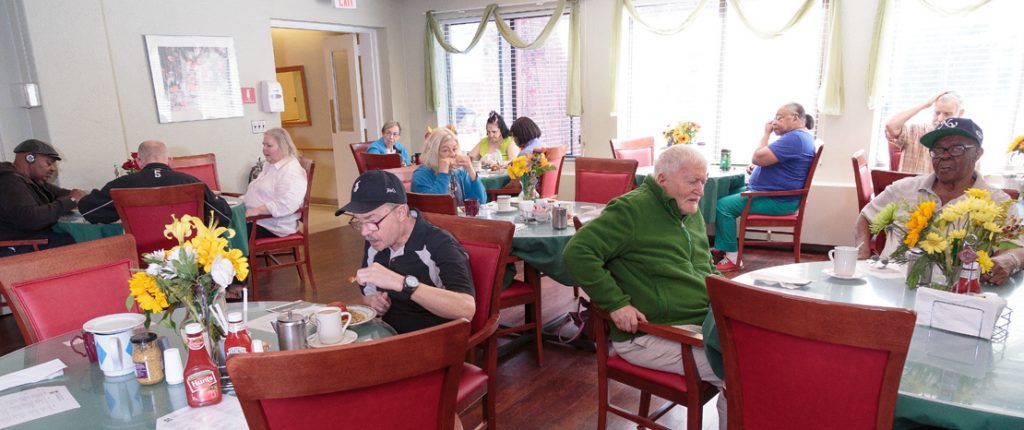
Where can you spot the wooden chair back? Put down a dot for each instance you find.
(862, 177)
(202, 166)
(358, 150)
(54, 291)
(599, 180)
(895, 154)
(640, 149)
(769, 337)
(1012, 192)
(880, 179)
(548, 185)
(382, 161)
(407, 381)
(434, 203)
(145, 211)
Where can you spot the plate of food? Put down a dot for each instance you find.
(361, 314)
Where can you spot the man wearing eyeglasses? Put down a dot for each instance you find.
(955, 148)
(413, 273)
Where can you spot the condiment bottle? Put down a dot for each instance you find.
(238, 340)
(202, 380)
(148, 359)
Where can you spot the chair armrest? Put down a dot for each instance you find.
(799, 192)
(231, 194)
(674, 334)
(255, 218)
(479, 337)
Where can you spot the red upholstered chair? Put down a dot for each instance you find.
(801, 363)
(548, 185)
(640, 149)
(767, 222)
(358, 150)
(54, 291)
(202, 166)
(862, 176)
(145, 211)
(880, 179)
(1012, 192)
(687, 390)
(269, 247)
(402, 382)
(435, 203)
(895, 154)
(599, 180)
(488, 242)
(513, 188)
(382, 161)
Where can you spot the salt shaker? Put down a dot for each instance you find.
(559, 218)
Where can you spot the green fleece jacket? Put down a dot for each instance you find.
(643, 251)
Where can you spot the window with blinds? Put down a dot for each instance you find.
(718, 73)
(979, 55)
(513, 82)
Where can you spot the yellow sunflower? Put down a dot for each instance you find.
(147, 293)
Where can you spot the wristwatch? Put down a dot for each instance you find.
(411, 284)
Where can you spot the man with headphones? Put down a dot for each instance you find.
(29, 204)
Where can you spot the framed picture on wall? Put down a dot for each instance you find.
(194, 77)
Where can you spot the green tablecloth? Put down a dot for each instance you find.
(493, 180)
(949, 380)
(720, 184)
(83, 231)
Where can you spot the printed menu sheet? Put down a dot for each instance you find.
(35, 403)
(226, 415)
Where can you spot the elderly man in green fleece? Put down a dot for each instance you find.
(644, 260)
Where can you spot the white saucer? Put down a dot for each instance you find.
(115, 323)
(855, 275)
(349, 337)
(495, 208)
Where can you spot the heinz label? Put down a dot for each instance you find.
(203, 385)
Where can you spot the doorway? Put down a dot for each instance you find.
(341, 76)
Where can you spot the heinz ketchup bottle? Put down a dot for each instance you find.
(238, 340)
(202, 380)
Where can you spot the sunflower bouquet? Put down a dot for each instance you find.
(527, 169)
(192, 274)
(967, 231)
(1017, 146)
(682, 134)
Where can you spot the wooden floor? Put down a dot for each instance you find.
(562, 394)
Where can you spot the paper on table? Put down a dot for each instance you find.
(35, 403)
(41, 372)
(889, 271)
(263, 323)
(225, 415)
(778, 278)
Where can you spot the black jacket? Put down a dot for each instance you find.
(97, 207)
(28, 206)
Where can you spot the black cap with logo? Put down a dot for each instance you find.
(953, 126)
(372, 189)
(38, 147)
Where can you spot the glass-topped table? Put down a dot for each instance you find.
(121, 402)
(721, 183)
(949, 380)
(83, 231)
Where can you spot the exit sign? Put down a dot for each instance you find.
(345, 4)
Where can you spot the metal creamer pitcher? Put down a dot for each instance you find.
(291, 331)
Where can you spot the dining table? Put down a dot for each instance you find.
(949, 380)
(720, 183)
(121, 402)
(83, 231)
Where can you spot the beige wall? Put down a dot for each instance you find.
(304, 48)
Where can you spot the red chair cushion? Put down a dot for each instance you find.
(674, 381)
(206, 173)
(780, 371)
(268, 241)
(61, 303)
(516, 290)
(473, 380)
(602, 187)
(484, 259)
(643, 156)
(407, 404)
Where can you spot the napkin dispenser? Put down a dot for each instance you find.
(970, 314)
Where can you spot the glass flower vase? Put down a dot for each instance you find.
(529, 188)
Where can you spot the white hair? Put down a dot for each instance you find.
(954, 97)
(673, 159)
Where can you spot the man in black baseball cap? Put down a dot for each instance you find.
(30, 205)
(413, 273)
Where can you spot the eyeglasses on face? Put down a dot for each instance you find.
(955, 150)
(392, 134)
(358, 225)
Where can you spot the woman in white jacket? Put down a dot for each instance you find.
(279, 189)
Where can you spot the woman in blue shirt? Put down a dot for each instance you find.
(388, 143)
(526, 134)
(779, 166)
(446, 171)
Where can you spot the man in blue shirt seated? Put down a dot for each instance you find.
(779, 166)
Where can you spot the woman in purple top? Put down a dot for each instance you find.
(526, 133)
(777, 166)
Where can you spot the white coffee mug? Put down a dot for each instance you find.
(844, 260)
(504, 203)
(114, 353)
(329, 328)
